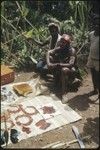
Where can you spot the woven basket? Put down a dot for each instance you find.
(7, 75)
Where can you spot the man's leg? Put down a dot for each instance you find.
(64, 76)
(94, 81)
(42, 68)
(65, 72)
(97, 82)
(40, 65)
(57, 75)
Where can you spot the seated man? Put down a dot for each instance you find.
(53, 41)
(62, 62)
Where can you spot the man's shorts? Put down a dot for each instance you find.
(93, 63)
(41, 65)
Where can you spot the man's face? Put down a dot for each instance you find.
(63, 43)
(53, 31)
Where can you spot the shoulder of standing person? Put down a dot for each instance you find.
(90, 36)
(91, 33)
(72, 51)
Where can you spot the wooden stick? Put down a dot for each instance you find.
(59, 143)
(77, 134)
(51, 144)
(74, 141)
(68, 143)
(13, 38)
(15, 29)
(81, 47)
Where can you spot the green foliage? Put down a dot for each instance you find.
(24, 19)
(82, 72)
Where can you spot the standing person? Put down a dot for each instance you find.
(53, 41)
(93, 59)
(62, 62)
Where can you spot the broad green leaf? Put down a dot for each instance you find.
(24, 11)
(29, 34)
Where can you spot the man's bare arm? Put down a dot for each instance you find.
(47, 41)
(41, 43)
(71, 61)
(48, 58)
(48, 55)
(72, 57)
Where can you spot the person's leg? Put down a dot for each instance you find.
(97, 82)
(42, 68)
(65, 72)
(40, 65)
(94, 80)
(57, 74)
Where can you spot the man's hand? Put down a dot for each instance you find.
(52, 66)
(65, 65)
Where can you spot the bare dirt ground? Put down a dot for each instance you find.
(85, 106)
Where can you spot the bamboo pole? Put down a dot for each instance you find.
(15, 29)
(24, 17)
(81, 47)
(13, 38)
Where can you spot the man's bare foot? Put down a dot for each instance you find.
(64, 99)
(77, 81)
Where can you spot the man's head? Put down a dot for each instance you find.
(54, 29)
(65, 41)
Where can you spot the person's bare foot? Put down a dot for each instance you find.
(77, 81)
(64, 99)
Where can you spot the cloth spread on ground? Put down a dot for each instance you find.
(34, 114)
(9, 96)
